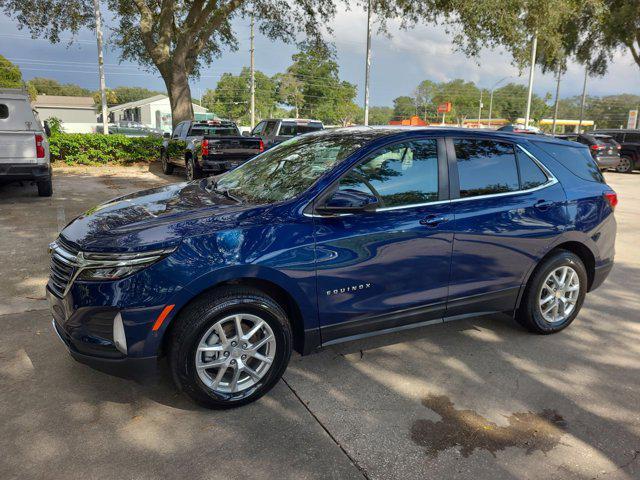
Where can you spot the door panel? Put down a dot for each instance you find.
(390, 267)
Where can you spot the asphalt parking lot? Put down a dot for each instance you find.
(472, 399)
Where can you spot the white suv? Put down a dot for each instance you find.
(24, 147)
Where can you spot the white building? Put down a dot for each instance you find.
(153, 112)
(78, 114)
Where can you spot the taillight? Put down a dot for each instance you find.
(39, 146)
(261, 146)
(612, 198)
(597, 147)
(205, 147)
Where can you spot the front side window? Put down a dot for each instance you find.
(485, 167)
(290, 168)
(4, 111)
(399, 175)
(178, 130)
(259, 128)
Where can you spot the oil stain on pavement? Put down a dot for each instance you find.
(468, 430)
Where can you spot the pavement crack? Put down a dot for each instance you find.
(331, 436)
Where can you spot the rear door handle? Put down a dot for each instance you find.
(433, 220)
(543, 205)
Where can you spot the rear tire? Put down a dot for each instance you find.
(563, 299)
(45, 187)
(192, 171)
(209, 323)
(167, 168)
(625, 165)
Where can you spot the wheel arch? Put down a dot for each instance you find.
(279, 287)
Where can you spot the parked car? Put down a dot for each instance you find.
(24, 147)
(276, 130)
(326, 238)
(208, 147)
(520, 129)
(604, 149)
(133, 129)
(629, 140)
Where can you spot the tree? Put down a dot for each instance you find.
(404, 107)
(133, 94)
(510, 101)
(49, 86)
(289, 89)
(380, 115)
(231, 97)
(10, 74)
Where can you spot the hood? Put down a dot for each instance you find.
(153, 218)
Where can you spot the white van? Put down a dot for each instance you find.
(24, 147)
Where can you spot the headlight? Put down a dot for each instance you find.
(114, 266)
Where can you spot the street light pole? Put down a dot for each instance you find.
(495, 85)
(584, 97)
(534, 46)
(367, 66)
(480, 108)
(253, 81)
(103, 83)
(555, 109)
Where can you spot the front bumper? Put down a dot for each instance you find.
(13, 172)
(124, 367)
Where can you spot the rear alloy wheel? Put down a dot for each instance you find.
(625, 165)
(230, 347)
(554, 294)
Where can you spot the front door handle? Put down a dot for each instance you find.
(433, 220)
(543, 205)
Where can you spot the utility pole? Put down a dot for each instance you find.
(367, 66)
(534, 46)
(480, 108)
(555, 109)
(584, 97)
(253, 81)
(495, 85)
(103, 83)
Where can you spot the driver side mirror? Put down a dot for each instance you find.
(166, 135)
(47, 128)
(348, 201)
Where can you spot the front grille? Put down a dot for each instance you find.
(62, 267)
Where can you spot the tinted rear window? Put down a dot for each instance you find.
(294, 129)
(4, 111)
(214, 131)
(486, 167)
(632, 137)
(578, 160)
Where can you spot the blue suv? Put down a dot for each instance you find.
(328, 237)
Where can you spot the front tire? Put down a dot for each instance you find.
(625, 165)
(555, 293)
(230, 347)
(167, 168)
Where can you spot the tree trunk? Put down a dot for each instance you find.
(177, 83)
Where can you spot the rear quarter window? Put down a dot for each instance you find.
(4, 111)
(576, 159)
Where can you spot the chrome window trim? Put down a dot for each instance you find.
(551, 180)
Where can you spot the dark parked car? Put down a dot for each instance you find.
(604, 149)
(277, 130)
(133, 129)
(629, 140)
(205, 148)
(330, 237)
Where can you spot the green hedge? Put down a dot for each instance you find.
(98, 149)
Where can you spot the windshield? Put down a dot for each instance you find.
(289, 168)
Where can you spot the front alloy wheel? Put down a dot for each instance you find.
(235, 353)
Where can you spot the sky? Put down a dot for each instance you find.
(399, 62)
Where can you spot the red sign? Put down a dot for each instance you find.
(444, 107)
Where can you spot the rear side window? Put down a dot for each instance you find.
(400, 175)
(486, 167)
(4, 111)
(531, 175)
(578, 160)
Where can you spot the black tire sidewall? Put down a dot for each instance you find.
(45, 188)
(533, 315)
(183, 359)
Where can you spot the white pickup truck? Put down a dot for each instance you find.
(24, 147)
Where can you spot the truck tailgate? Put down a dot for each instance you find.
(17, 147)
(233, 146)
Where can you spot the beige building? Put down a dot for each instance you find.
(78, 114)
